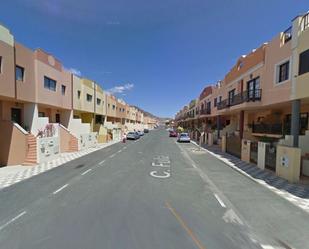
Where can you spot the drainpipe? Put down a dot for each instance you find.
(295, 121)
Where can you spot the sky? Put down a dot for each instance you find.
(157, 55)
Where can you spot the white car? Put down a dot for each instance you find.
(183, 137)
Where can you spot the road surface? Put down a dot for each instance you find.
(148, 194)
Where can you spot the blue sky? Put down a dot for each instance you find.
(155, 54)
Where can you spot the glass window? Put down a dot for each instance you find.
(114, 107)
(0, 64)
(19, 72)
(284, 72)
(78, 94)
(49, 84)
(98, 101)
(89, 97)
(63, 89)
(215, 102)
(304, 62)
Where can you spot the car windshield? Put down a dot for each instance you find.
(159, 124)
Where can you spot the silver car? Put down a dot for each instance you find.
(183, 137)
(132, 135)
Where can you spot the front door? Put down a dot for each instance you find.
(16, 115)
(58, 118)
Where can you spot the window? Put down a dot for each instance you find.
(78, 94)
(215, 102)
(253, 87)
(63, 89)
(108, 105)
(41, 114)
(220, 99)
(98, 101)
(89, 97)
(50, 84)
(19, 73)
(283, 72)
(231, 96)
(304, 62)
(114, 107)
(0, 64)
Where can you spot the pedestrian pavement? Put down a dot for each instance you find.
(10, 175)
(298, 194)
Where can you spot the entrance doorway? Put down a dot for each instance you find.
(58, 118)
(16, 115)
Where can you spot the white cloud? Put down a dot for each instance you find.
(75, 71)
(120, 89)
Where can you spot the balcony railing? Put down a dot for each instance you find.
(287, 35)
(205, 111)
(267, 128)
(245, 96)
(305, 22)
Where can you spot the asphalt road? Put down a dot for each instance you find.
(153, 193)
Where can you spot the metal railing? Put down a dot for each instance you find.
(245, 96)
(305, 22)
(287, 35)
(205, 111)
(267, 128)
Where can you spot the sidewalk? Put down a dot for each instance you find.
(297, 194)
(12, 174)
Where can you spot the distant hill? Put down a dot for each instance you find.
(151, 115)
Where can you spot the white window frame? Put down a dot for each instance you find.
(277, 71)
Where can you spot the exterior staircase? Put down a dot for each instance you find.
(31, 157)
(73, 144)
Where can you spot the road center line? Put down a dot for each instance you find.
(220, 201)
(184, 226)
(101, 162)
(85, 172)
(59, 189)
(111, 156)
(12, 220)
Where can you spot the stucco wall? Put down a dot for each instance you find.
(13, 144)
(26, 89)
(7, 75)
(47, 65)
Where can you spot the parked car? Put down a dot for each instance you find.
(146, 131)
(141, 133)
(132, 135)
(183, 137)
(173, 134)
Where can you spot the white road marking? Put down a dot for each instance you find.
(119, 151)
(124, 147)
(59, 189)
(220, 201)
(154, 174)
(101, 162)
(111, 156)
(12, 220)
(85, 172)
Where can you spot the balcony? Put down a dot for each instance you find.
(287, 35)
(205, 111)
(275, 129)
(305, 22)
(245, 96)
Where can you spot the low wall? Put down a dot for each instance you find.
(13, 144)
(288, 163)
(88, 140)
(47, 148)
